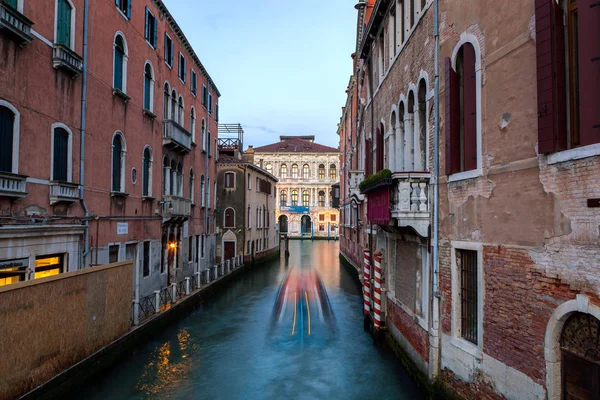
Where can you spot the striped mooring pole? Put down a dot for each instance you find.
(377, 297)
(367, 282)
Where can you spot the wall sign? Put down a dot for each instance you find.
(122, 228)
(18, 263)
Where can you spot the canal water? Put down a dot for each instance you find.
(286, 330)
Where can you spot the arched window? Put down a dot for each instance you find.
(118, 164)
(180, 119)
(65, 21)
(321, 199)
(294, 170)
(120, 58)
(166, 101)
(166, 175)
(147, 172)
(401, 135)
(174, 110)
(379, 162)
(283, 169)
(203, 135)
(202, 191)
(421, 129)
(305, 198)
(193, 124)
(173, 179)
(180, 180)
(229, 180)
(61, 153)
(332, 172)
(148, 88)
(283, 198)
(321, 171)
(306, 171)
(9, 138)
(229, 218)
(191, 192)
(294, 197)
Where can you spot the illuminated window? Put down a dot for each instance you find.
(283, 171)
(332, 172)
(13, 271)
(294, 197)
(48, 266)
(294, 170)
(306, 171)
(305, 198)
(321, 171)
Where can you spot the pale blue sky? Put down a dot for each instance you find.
(282, 67)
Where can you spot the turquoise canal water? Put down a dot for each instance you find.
(286, 330)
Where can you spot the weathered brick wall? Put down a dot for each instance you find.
(409, 328)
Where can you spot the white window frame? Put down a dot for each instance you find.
(203, 135)
(225, 218)
(155, 29)
(125, 59)
(69, 151)
(193, 78)
(171, 51)
(73, 21)
(233, 187)
(127, 18)
(123, 161)
(475, 350)
(16, 134)
(151, 86)
(179, 69)
(193, 118)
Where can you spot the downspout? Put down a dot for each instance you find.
(82, 137)
(434, 366)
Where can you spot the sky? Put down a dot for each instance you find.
(282, 67)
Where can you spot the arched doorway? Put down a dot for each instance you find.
(580, 351)
(283, 224)
(306, 225)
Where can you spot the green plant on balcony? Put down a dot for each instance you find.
(373, 179)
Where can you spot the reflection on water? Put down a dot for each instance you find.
(246, 343)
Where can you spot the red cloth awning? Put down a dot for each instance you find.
(378, 206)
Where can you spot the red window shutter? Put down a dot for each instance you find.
(452, 119)
(469, 108)
(589, 71)
(551, 73)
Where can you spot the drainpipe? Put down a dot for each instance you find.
(82, 137)
(434, 366)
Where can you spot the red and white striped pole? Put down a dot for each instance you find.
(377, 296)
(367, 282)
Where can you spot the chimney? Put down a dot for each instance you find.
(248, 155)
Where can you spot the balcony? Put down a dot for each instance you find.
(63, 192)
(410, 203)
(176, 137)
(66, 59)
(12, 185)
(356, 177)
(15, 24)
(174, 207)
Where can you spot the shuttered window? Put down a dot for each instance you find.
(61, 155)
(117, 149)
(229, 218)
(229, 180)
(150, 32)
(147, 162)
(12, 3)
(148, 87)
(119, 60)
(182, 67)
(124, 6)
(7, 123)
(461, 112)
(63, 23)
(168, 50)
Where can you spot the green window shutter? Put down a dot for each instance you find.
(63, 23)
(147, 30)
(155, 27)
(12, 3)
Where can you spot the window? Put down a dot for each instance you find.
(149, 87)
(461, 111)
(182, 67)
(321, 227)
(333, 218)
(147, 172)
(208, 144)
(466, 260)
(249, 182)
(179, 180)
(204, 96)
(305, 198)
(180, 111)
(321, 199)
(169, 53)
(283, 169)
(118, 164)
(193, 124)
(209, 103)
(120, 69)
(248, 247)
(166, 101)
(208, 192)
(257, 184)
(332, 172)
(190, 249)
(146, 260)
(203, 135)
(150, 32)
(283, 198)
(294, 197)
(9, 138)
(321, 171)
(202, 246)
(306, 171)
(191, 192)
(249, 217)
(270, 168)
(194, 82)
(61, 154)
(65, 21)
(321, 217)
(113, 253)
(125, 7)
(202, 191)
(294, 170)
(229, 218)
(217, 112)
(229, 180)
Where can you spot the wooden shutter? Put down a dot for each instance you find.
(551, 74)
(155, 28)
(469, 108)
(166, 47)
(12, 3)
(147, 94)
(128, 8)
(61, 148)
(63, 23)
(589, 71)
(452, 120)
(7, 122)
(147, 30)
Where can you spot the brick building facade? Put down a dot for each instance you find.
(122, 77)
(516, 310)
